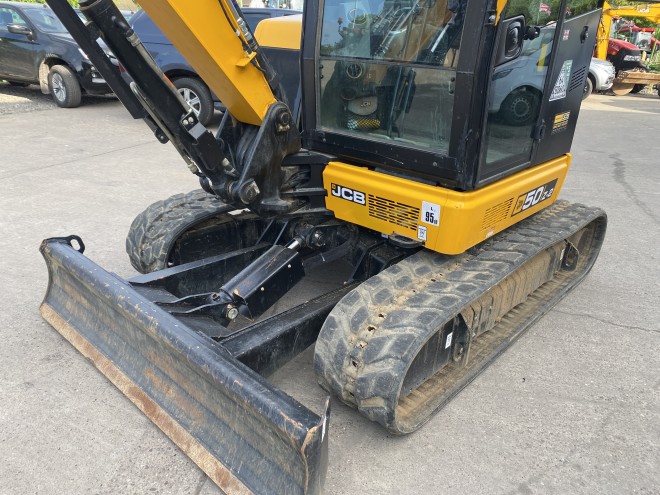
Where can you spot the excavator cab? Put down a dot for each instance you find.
(433, 141)
(455, 92)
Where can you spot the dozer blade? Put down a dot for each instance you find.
(244, 433)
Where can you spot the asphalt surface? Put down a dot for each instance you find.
(573, 407)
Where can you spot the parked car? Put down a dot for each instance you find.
(600, 78)
(35, 48)
(518, 84)
(189, 84)
(126, 13)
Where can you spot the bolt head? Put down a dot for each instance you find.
(318, 239)
(249, 191)
(284, 118)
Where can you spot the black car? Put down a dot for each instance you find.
(126, 13)
(35, 48)
(178, 70)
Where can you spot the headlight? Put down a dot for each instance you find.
(602, 63)
(501, 74)
(107, 52)
(632, 58)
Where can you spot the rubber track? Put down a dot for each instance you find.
(154, 231)
(370, 338)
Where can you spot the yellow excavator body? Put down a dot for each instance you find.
(451, 221)
(415, 148)
(218, 54)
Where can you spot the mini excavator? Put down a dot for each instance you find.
(413, 148)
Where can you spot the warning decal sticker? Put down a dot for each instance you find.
(430, 213)
(561, 122)
(561, 86)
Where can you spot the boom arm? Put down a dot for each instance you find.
(215, 40)
(242, 164)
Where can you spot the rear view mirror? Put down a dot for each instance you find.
(511, 39)
(20, 29)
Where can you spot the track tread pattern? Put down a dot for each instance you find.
(154, 231)
(370, 338)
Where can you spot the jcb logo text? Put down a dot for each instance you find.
(348, 194)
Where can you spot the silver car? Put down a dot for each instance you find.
(601, 77)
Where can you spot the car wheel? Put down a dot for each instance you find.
(588, 88)
(64, 86)
(197, 96)
(520, 108)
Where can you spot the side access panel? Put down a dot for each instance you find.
(566, 85)
(245, 434)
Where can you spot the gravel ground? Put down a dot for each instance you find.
(19, 100)
(29, 99)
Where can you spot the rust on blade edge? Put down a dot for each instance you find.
(213, 468)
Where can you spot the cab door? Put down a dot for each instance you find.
(535, 94)
(16, 50)
(569, 71)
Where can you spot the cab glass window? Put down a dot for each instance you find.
(387, 69)
(517, 86)
(46, 20)
(10, 16)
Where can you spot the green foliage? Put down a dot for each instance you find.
(531, 9)
(581, 6)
